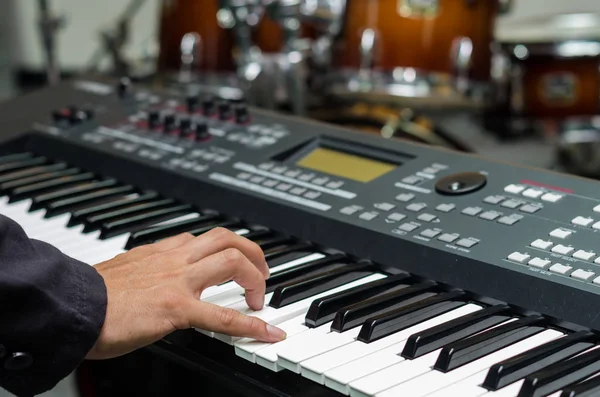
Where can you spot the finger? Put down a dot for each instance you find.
(227, 321)
(227, 265)
(220, 239)
(173, 242)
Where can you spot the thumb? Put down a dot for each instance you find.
(224, 320)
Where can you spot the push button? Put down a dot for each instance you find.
(351, 210)
(408, 227)
(551, 197)
(530, 208)
(518, 257)
(472, 211)
(493, 199)
(582, 221)
(583, 275)
(512, 204)
(560, 268)
(514, 189)
(416, 207)
(467, 242)
(18, 361)
(412, 180)
(490, 215)
(427, 217)
(430, 233)
(532, 193)
(448, 238)
(405, 197)
(539, 262)
(396, 217)
(541, 244)
(562, 249)
(368, 216)
(560, 233)
(445, 207)
(584, 255)
(510, 219)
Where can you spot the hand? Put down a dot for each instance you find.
(155, 289)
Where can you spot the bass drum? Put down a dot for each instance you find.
(434, 52)
(389, 122)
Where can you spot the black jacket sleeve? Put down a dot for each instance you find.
(52, 308)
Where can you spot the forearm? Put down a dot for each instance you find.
(52, 308)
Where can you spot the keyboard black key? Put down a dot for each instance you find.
(96, 221)
(396, 320)
(587, 388)
(136, 222)
(356, 314)
(259, 234)
(21, 164)
(8, 187)
(323, 310)
(72, 204)
(272, 253)
(42, 200)
(303, 271)
(155, 233)
(525, 364)
(467, 350)
(29, 191)
(275, 243)
(561, 374)
(293, 292)
(79, 216)
(437, 337)
(10, 158)
(28, 172)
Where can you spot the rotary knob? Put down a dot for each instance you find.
(193, 103)
(242, 115)
(170, 122)
(225, 110)
(153, 119)
(209, 107)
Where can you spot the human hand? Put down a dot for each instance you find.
(155, 289)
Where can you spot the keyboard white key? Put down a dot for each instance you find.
(316, 367)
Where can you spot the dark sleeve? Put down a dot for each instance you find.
(52, 308)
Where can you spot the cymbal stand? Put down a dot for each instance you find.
(49, 25)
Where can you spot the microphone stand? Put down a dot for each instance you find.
(49, 25)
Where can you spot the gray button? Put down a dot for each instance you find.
(306, 177)
(416, 207)
(445, 207)
(368, 216)
(581, 274)
(244, 175)
(298, 190)
(530, 209)
(512, 204)
(431, 170)
(384, 206)
(396, 217)
(430, 233)
(439, 166)
(284, 187)
(335, 184)
(351, 210)
(448, 237)
(209, 156)
(560, 268)
(200, 168)
(221, 159)
(279, 170)
(427, 217)
(467, 242)
(405, 197)
(471, 211)
(320, 181)
(490, 215)
(292, 173)
(270, 183)
(412, 180)
(312, 195)
(408, 227)
(266, 166)
(257, 179)
(510, 220)
(493, 199)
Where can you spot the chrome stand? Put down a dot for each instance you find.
(49, 26)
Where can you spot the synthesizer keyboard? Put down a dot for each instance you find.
(397, 269)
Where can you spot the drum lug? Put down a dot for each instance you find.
(462, 56)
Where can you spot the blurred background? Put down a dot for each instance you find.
(514, 80)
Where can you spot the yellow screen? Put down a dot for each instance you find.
(345, 165)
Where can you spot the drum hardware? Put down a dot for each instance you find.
(49, 25)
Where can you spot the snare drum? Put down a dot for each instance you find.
(415, 48)
(551, 68)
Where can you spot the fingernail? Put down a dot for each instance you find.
(275, 333)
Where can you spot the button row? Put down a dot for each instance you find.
(450, 238)
(533, 193)
(513, 204)
(585, 222)
(210, 156)
(308, 177)
(278, 185)
(558, 268)
(492, 215)
(188, 165)
(565, 250)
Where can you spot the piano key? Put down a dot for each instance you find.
(562, 374)
(96, 221)
(9, 166)
(435, 338)
(462, 352)
(79, 216)
(9, 186)
(301, 272)
(135, 222)
(9, 158)
(294, 291)
(396, 320)
(28, 172)
(430, 380)
(72, 204)
(273, 253)
(518, 367)
(323, 310)
(316, 368)
(587, 388)
(274, 242)
(357, 313)
(43, 199)
(29, 191)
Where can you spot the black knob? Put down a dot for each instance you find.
(461, 183)
(154, 119)
(124, 88)
(185, 125)
(209, 107)
(192, 103)
(89, 113)
(242, 115)
(76, 115)
(170, 122)
(61, 116)
(202, 131)
(225, 110)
